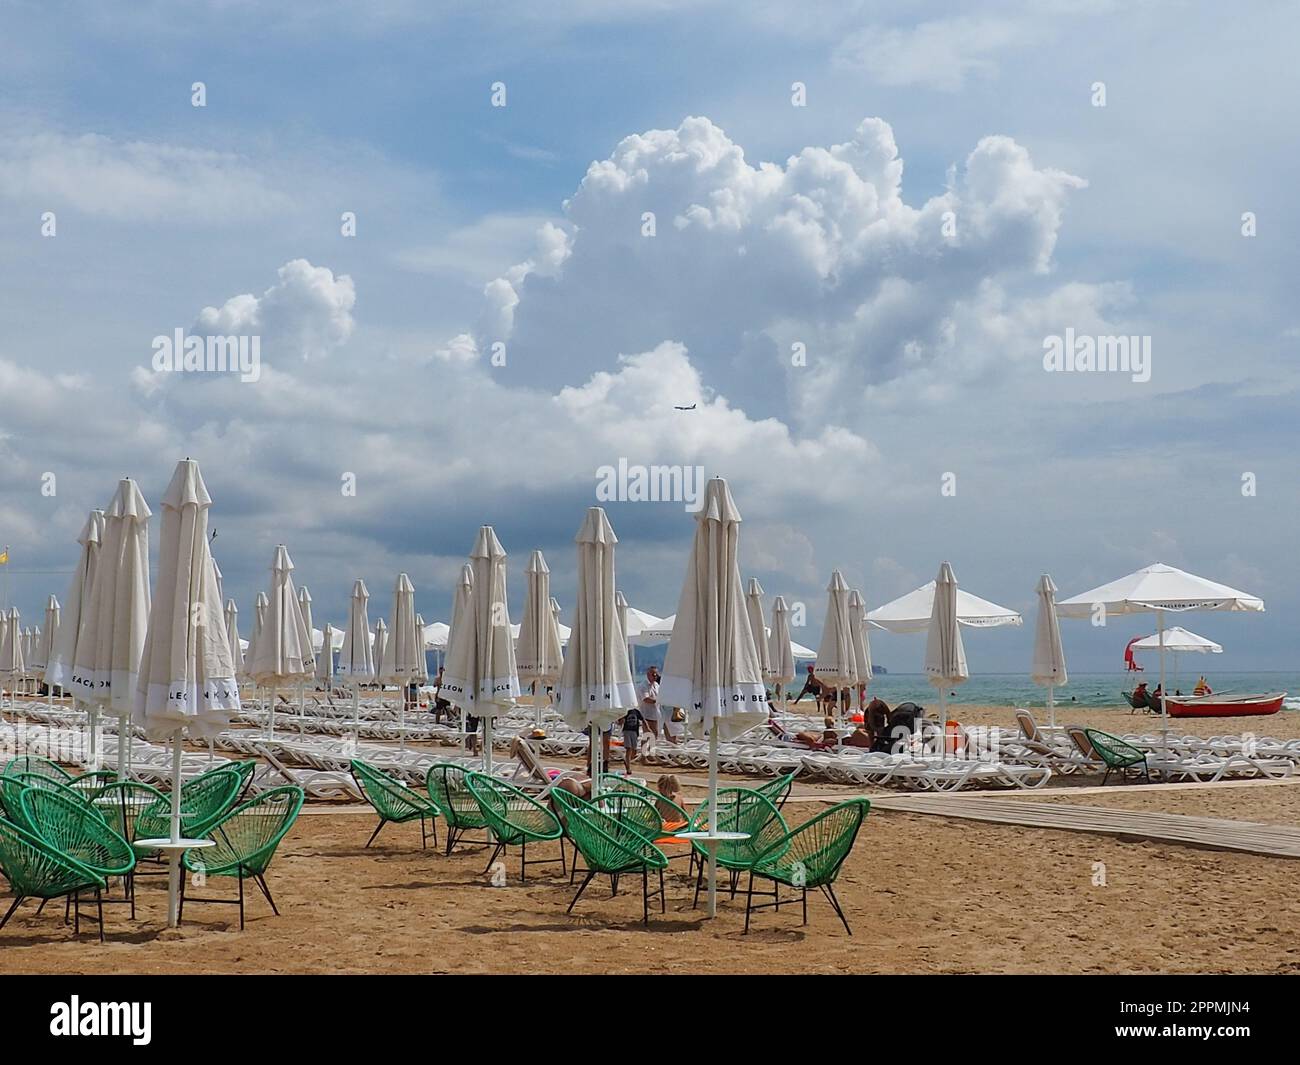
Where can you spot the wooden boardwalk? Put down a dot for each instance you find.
(1281, 841)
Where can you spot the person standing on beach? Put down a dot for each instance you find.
(648, 694)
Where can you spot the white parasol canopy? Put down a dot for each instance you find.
(538, 656)
(945, 657)
(304, 609)
(596, 679)
(912, 612)
(858, 633)
(11, 646)
(260, 603)
(754, 608)
(1179, 639)
(380, 645)
(281, 651)
(355, 656)
(780, 652)
(49, 636)
(1049, 654)
(404, 649)
(836, 665)
(325, 660)
(232, 637)
(58, 671)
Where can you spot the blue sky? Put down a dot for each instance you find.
(521, 224)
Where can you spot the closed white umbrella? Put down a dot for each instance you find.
(186, 673)
(1049, 655)
(1157, 588)
(538, 656)
(780, 651)
(912, 612)
(460, 598)
(945, 657)
(325, 660)
(595, 686)
(404, 651)
(480, 675)
(107, 664)
(711, 668)
(621, 608)
(304, 608)
(12, 663)
(259, 620)
(356, 656)
(281, 652)
(421, 675)
(58, 670)
(381, 649)
(754, 607)
(836, 665)
(49, 636)
(861, 644)
(232, 637)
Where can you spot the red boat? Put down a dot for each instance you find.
(1224, 705)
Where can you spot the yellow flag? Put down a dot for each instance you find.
(4, 556)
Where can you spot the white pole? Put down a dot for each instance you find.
(1051, 705)
(487, 744)
(174, 874)
(713, 817)
(1164, 709)
(356, 715)
(597, 744)
(122, 762)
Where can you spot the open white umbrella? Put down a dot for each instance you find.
(836, 665)
(403, 653)
(232, 637)
(480, 675)
(186, 673)
(1049, 654)
(861, 644)
(754, 607)
(596, 686)
(1180, 641)
(780, 651)
(912, 612)
(356, 656)
(711, 668)
(654, 631)
(281, 654)
(1157, 588)
(107, 664)
(435, 636)
(945, 657)
(538, 656)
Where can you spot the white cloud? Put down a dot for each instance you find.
(307, 312)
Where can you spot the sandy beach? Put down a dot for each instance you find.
(924, 894)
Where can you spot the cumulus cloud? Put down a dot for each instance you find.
(750, 260)
(307, 312)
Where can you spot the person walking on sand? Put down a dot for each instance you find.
(648, 694)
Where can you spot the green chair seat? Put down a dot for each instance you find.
(809, 856)
(446, 784)
(1116, 753)
(36, 869)
(77, 830)
(124, 802)
(610, 847)
(739, 810)
(514, 818)
(244, 842)
(393, 801)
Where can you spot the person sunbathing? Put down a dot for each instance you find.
(828, 738)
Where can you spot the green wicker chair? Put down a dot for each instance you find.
(13, 786)
(245, 769)
(629, 808)
(669, 811)
(446, 785)
(34, 763)
(778, 790)
(123, 802)
(15, 776)
(1118, 755)
(204, 801)
(612, 848)
(515, 819)
(806, 857)
(394, 801)
(91, 784)
(37, 870)
(739, 810)
(246, 840)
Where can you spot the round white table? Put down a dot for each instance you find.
(173, 848)
(710, 841)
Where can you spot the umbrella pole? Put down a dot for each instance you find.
(94, 740)
(401, 717)
(356, 715)
(122, 765)
(487, 745)
(1164, 696)
(174, 873)
(537, 708)
(713, 818)
(1051, 705)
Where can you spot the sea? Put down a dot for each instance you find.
(1084, 689)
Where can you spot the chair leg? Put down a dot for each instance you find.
(663, 906)
(749, 900)
(573, 901)
(10, 912)
(523, 861)
(645, 896)
(830, 894)
(488, 868)
(423, 834)
(260, 878)
(76, 913)
(99, 903)
(805, 905)
(241, 896)
(382, 822)
(1105, 776)
(451, 838)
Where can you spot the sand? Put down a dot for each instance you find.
(923, 894)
